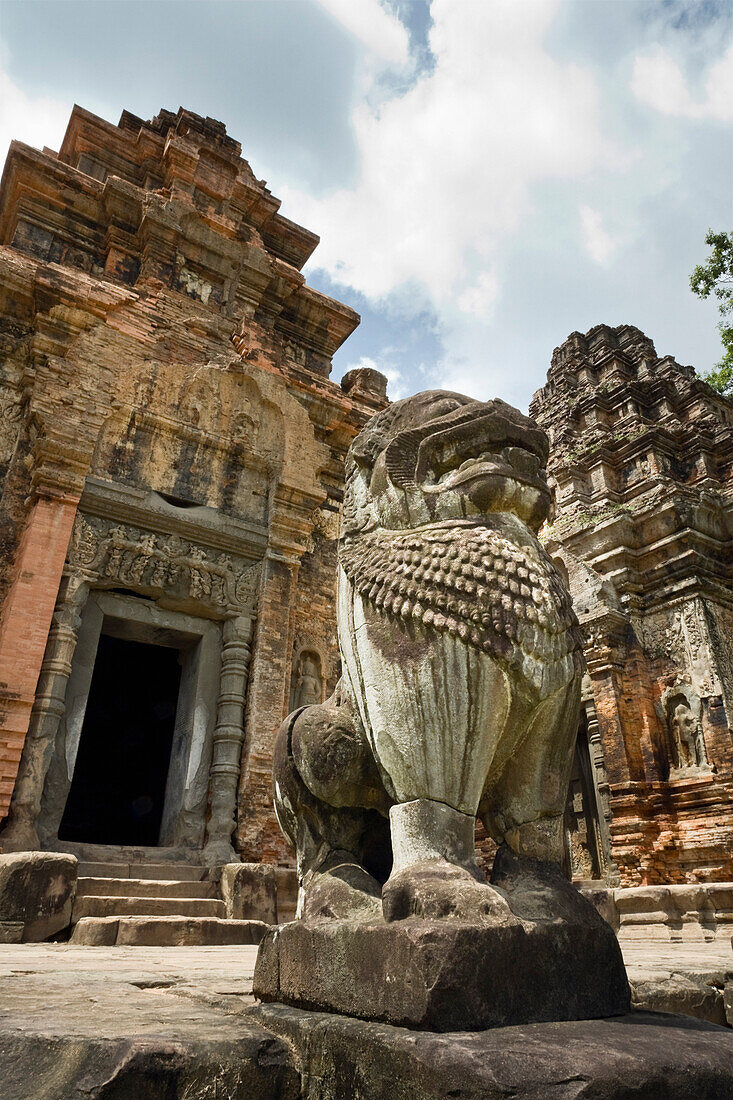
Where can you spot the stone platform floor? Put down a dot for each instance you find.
(654, 958)
(83, 1021)
(693, 978)
(192, 971)
(206, 972)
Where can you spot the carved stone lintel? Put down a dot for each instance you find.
(166, 563)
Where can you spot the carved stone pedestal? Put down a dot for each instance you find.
(446, 975)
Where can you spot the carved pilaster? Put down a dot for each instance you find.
(602, 788)
(228, 738)
(21, 833)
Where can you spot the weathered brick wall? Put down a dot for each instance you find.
(315, 609)
(152, 305)
(27, 614)
(258, 836)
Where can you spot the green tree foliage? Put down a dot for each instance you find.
(716, 277)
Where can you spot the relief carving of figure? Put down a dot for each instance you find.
(115, 550)
(176, 548)
(222, 579)
(159, 574)
(200, 583)
(687, 739)
(140, 559)
(308, 687)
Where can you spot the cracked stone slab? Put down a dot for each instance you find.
(68, 1037)
(116, 1023)
(642, 1054)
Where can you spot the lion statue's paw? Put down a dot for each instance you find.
(341, 890)
(439, 890)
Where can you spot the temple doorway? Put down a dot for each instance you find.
(118, 789)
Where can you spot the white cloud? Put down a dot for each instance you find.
(449, 168)
(377, 28)
(599, 245)
(478, 300)
(37, 121)
(658, 81)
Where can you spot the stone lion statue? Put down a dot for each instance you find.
(461, 678)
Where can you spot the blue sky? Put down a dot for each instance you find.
(486, 175)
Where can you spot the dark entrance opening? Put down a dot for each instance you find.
(118, 787)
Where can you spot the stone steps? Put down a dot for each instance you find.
(145, 888)
(160, 871)
(113, 891)
(118, 906)
(165, 931)
(162, 902)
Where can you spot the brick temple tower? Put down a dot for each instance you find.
(642, 470)
(171, 453)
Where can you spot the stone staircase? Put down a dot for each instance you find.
(154, 904)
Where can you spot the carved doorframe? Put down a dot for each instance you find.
(187, 787)
(197, 574)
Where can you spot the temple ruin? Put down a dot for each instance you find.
(641, 459)
(172, 451)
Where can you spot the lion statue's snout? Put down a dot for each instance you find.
(441, 456)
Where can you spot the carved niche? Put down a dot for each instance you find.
(306, 682)
(139, 559)
(681, 706)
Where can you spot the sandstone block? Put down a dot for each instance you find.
(37, 888)
(96, 931)
(250, 891)
(166, 932)
(445, 975)
(287, 893)
(681, 993)
(702, 911)
(98, 905)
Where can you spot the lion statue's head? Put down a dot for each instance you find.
(441, 456)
